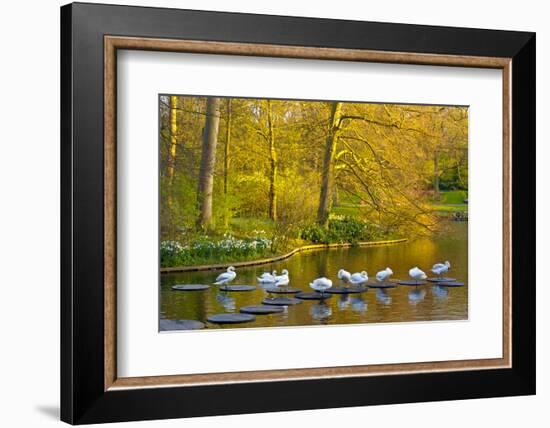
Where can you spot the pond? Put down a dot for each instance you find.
(401, 304)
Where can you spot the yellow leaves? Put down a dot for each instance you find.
(383, 155)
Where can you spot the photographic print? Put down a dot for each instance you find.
(301, 186)
(282, 212)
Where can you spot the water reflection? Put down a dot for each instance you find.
(343, 301)
(416, 296)
(425, 303)
(229, 303)
(358, 304)
(383, 297)
(320, 311)
(440, 293)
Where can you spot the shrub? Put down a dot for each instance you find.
(341, 230)
(314, 233)
(348, 229)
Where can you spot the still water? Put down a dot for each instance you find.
(424, 303)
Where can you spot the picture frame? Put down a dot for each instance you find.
(91, 391)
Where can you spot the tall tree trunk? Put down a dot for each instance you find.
(173, 137)
(335, 198)
(327, 177)
(437, 195)
(226, 161)
(173, 147)
(208, 161)
(273, 164)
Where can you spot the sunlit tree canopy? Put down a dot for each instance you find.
(295, 172)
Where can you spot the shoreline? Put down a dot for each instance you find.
(312, 247)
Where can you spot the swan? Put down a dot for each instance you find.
(283, 277)
(321, 284)
(267, 278)
(226, 277)
(384, 274)
(282, 282)
(344, 275)
(417, 274)
(441, 268)
(359, 278)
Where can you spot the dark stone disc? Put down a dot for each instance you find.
(411, 283)
(230, 318)
(313, 296)
(190, 287)
(282, 301)
(346, 290)
(442, 279)
(382, 284)
(451, 284)
(261, 309)
(282, 290)
(237, 287)
(167, 325)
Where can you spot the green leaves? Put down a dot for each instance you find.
(342, 230)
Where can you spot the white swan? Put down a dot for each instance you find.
(226, 277)
(321, 284)
(359, 278)
(267, 278)
(283, 277)
(344, 275)
(417, 274)
(282, 282)
(441, 268)
(384, 274)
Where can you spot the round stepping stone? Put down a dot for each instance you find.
(230, 318)
(442, 279)
(190, 287)
(237, 287)
(261, 309)
(167, 325)
(451, 284)
(282, 301)
(282, 290)
(382, 285)
(346, 290)
(313, 296)
(411, 283)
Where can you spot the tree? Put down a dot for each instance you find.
(436, 175)
(226, 162)
(273, 164)
(173, 146)
(208, 162)
(285, 164)
(327, 175)
(226, 159)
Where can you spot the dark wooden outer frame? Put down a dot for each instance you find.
(114, 43)
(88, 32)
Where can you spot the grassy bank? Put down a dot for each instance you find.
(248, 239)
(451, 202)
